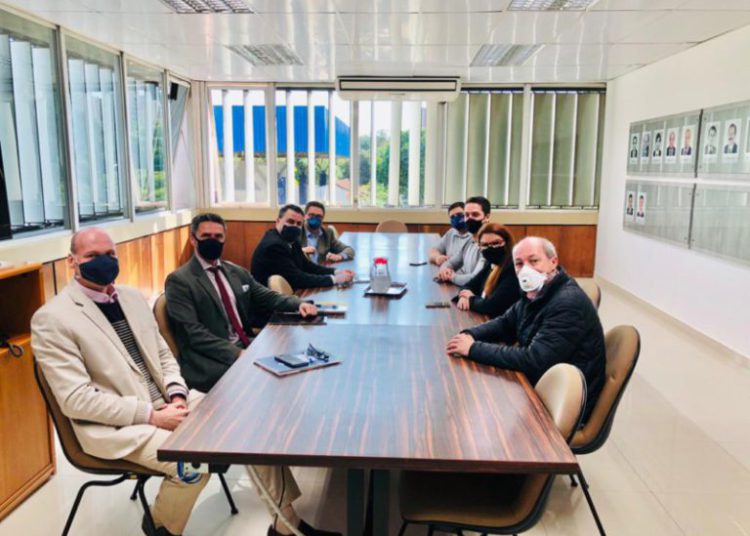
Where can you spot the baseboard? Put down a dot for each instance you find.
(721, 348)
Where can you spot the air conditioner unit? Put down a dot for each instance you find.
(400, 88)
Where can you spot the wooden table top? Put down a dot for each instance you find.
(395, 402)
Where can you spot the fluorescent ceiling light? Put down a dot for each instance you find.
(262, 55)
(504, 55)
(208, 6)
(550, 5)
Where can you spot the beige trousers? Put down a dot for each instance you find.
(176, 499)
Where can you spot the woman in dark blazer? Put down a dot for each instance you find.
(495, 288)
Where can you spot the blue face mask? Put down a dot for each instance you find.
(314, 223)
(102, 269)
(458, 222)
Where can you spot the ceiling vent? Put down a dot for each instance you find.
(189, 7)
(550, 5)
(406, 88)
(504, 55)
(265, 55)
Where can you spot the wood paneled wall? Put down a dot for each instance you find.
(576, 244)
(146, 262)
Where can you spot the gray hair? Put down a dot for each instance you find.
(547, 246)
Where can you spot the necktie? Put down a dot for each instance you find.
(236, 325)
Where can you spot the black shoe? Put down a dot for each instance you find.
(305, 529)
(161, 531)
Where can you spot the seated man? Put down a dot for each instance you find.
(455, 239)
(114, 376)
(554, 322)
(318, 242)
(213, 304)
(280, 253)
(468, 262)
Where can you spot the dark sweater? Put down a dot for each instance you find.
(506, 292)
(275, 256)
(560, 326)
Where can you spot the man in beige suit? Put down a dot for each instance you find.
(114, 376)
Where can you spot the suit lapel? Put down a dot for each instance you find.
(94, 314)
(208, 287)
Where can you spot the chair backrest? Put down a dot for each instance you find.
(333, 229)
(391, 226)
(623, 346)
(280, 285)
(69, 442)
(562, 390)
(592, 290)
(165, 328)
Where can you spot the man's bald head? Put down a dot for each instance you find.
(536, 252)
(91, 237)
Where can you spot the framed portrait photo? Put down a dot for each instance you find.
(634, 148)
(730, 150)
(688, 139)
(670, 151)
(711, 141)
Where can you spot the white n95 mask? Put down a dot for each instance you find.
(530, 280)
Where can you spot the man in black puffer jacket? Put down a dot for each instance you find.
(554, 322)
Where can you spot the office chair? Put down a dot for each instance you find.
(391, 226)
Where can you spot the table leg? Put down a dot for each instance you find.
(355, 501)
(381, 502)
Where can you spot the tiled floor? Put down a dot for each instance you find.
(678, 461)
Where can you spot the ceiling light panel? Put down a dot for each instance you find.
(264, 55)
(187, 7)
(550, 5)
(504, 55)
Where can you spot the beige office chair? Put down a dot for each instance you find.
(492, 503)
(391, 226)
(591, 289)
(280, 285)
(622, 348)
(165, 328)
(122, 469)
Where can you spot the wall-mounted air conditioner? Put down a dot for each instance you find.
(400, 88)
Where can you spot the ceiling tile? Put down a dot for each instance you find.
(637, 5)
(47, 6)
(596, 54)
(738, 5)
(606, 26)
(292, 6)
(530, 27)
(688, 26)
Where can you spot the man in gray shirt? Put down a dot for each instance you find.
(453, 241)
(460, 268)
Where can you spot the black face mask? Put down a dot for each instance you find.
(290, 233)
(209, 248)
(473, 226)
(102, 269)
(494, 256)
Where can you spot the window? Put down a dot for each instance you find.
(483, 146)
(146, 134)
(183, 163)
(565, 148)
(31, 147)
(97, 130)
(239, 118)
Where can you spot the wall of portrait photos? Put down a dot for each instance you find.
(695, 185)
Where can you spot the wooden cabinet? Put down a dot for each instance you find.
(27, 452)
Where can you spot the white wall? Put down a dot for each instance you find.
(710, 295)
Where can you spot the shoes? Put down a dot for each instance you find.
(305, 529)
(161, 531)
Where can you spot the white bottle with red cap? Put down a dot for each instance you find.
(380, 276)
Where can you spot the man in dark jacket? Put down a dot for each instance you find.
(555, 322)
(280, 253)
(212, 304)
(320, 242)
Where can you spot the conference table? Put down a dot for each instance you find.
(395, 402)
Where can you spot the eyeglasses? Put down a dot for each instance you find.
(496, 245)
(314, 353)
